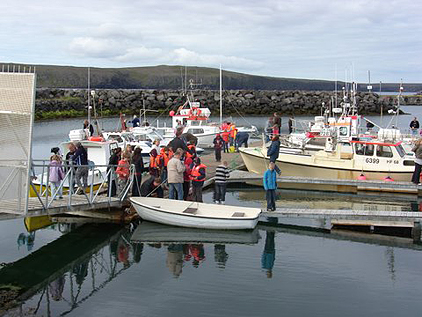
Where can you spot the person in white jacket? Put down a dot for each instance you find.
(175, 169)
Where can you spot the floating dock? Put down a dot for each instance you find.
(322, 184)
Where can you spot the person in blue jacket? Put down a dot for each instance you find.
(270, 186)
(273, 152)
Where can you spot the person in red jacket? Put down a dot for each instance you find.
(186, 177)
(218, 144)
(225, 137)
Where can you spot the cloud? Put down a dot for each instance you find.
(95, 47)
(302, 38)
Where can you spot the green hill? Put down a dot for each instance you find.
(171, 77)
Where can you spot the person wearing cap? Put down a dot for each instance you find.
(135, 122)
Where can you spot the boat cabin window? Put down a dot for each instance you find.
(400, 150)
(343, 131)
(196, 131)
(384, 151)
(140, 137)
(364, 149)
(195, 123)
(115, 137)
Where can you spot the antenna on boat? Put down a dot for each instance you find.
(221, 96)
(89, 95)
(369, 82)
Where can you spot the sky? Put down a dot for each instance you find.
(315, 39)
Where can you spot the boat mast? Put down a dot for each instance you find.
(89, 95)
(221, 97)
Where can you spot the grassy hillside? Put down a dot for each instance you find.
(170, 77)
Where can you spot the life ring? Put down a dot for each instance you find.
(95, 138)
(195, 112)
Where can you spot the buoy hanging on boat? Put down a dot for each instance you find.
(388, 179)
(362, 177)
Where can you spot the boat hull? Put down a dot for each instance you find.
(256, 162)
(150, 213)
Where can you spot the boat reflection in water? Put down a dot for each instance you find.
(186, 245)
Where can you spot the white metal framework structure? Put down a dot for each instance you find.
(17, 103)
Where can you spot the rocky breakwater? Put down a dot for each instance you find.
(73, 101)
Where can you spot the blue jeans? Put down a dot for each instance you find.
(220, 192)
(270, 196)
(176, 191)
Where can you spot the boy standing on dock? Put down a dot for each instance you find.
(270, 186)
(222, 173)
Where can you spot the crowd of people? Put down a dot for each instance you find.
(175, 167)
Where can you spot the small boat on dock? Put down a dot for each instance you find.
(195, 215)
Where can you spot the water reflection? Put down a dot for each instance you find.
(90, 257)
(268, 256)
(220, 255)
(77, 272)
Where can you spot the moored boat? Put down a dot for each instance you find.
(195, 215)
(375, 159)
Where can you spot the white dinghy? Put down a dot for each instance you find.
(195, 215)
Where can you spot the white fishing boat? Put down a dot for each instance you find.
(150, 232)
(98, 151)
(195, 215)
(347, 159)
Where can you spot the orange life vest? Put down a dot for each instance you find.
(195, 172)
(225, 136)
(191, 147)
(165, 157)
(153, 161)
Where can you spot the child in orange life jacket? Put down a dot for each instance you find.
(162, 161)
(153, 167)
(198, 177)
(123, 171)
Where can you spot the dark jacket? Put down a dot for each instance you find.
(80, 157)
(139, 165)
(148, 186)
(417, 149)
(273, 151)
(178, 143)
(189, 137)
(91, 129)
(242, 137)
(414, 124)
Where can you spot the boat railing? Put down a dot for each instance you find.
(100, 179)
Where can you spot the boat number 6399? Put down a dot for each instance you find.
(372, 160)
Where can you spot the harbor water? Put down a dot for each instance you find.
(94, 269)
(272, 270)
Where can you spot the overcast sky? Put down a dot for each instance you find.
(295, 38)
